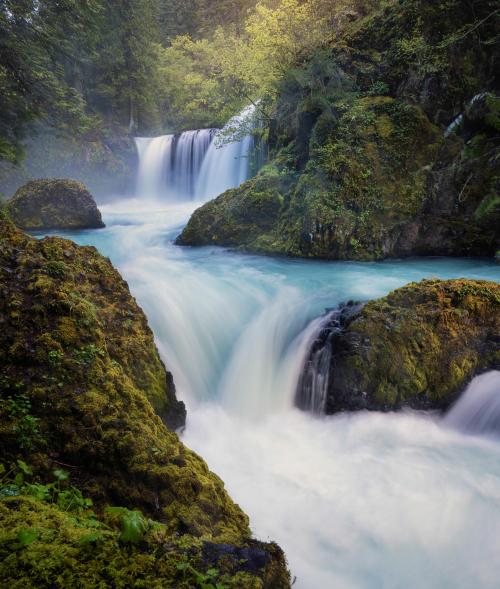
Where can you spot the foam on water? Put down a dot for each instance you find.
(368, 501)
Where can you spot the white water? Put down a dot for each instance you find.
(226, 166)
(368, 501)
(195, 165)
(478, 409)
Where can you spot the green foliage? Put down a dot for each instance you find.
(87, 355)
(133, 524)
(69, 499)
(199, 580)
(25, 426)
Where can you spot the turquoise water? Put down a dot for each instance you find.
(364, 501)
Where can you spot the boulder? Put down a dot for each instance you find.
(419, 347)
(54, 204)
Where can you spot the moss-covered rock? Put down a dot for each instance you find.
(54, 204)
(365, 164)
(43, 546)
(83, 388)
(418, 347)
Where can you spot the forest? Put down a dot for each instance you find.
(249, 294)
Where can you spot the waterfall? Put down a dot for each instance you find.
(226, 165)
(312, 388)
(195, 165)
(155, 163)
(478, 409)
(169, 165)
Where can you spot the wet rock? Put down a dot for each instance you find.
(54, 204)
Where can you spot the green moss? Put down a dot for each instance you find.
(82, 384)
(54, 204)
(44, 546)
(359, 155)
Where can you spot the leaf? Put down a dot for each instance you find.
(10, 491)
(61, 474)
(2, 469)
(40, 492)
(23, 467)
(133, 527)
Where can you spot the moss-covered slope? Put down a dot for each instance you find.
(54, 204)
(83, 388)
(363, 162)
(45, 546)
(418, 347)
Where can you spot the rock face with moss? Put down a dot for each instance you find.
(54, 204)
(384, 145)
(418, 347)
(83, 389)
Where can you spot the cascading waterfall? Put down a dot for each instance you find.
(478, 409)
(361, 500)
(226, 165)
(312, 388)
(195, 165)
(169, 165)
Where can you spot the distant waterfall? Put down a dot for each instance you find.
(478, 409)
(195, 165)
(226, 166)
(169, 165)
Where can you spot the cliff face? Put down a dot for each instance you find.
(83, 389)
(418, 347)
(364, 162)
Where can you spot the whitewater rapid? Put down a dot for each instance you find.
(366, 501)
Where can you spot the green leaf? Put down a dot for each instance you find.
(40, 492)
(2, 469)
(133, 524)
(23, 467)
(10, 491)
(133, 527)
(61, 474)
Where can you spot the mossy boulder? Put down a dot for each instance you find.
(54, 204)
(82, 388)
(236, 218)
(364, 163)
(418, 347)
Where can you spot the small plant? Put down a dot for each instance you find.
(207, 580)
(55, 357)
(133, 524)
(68, 498)
(88, 355)
(26, 426)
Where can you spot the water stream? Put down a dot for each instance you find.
(366, 501)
